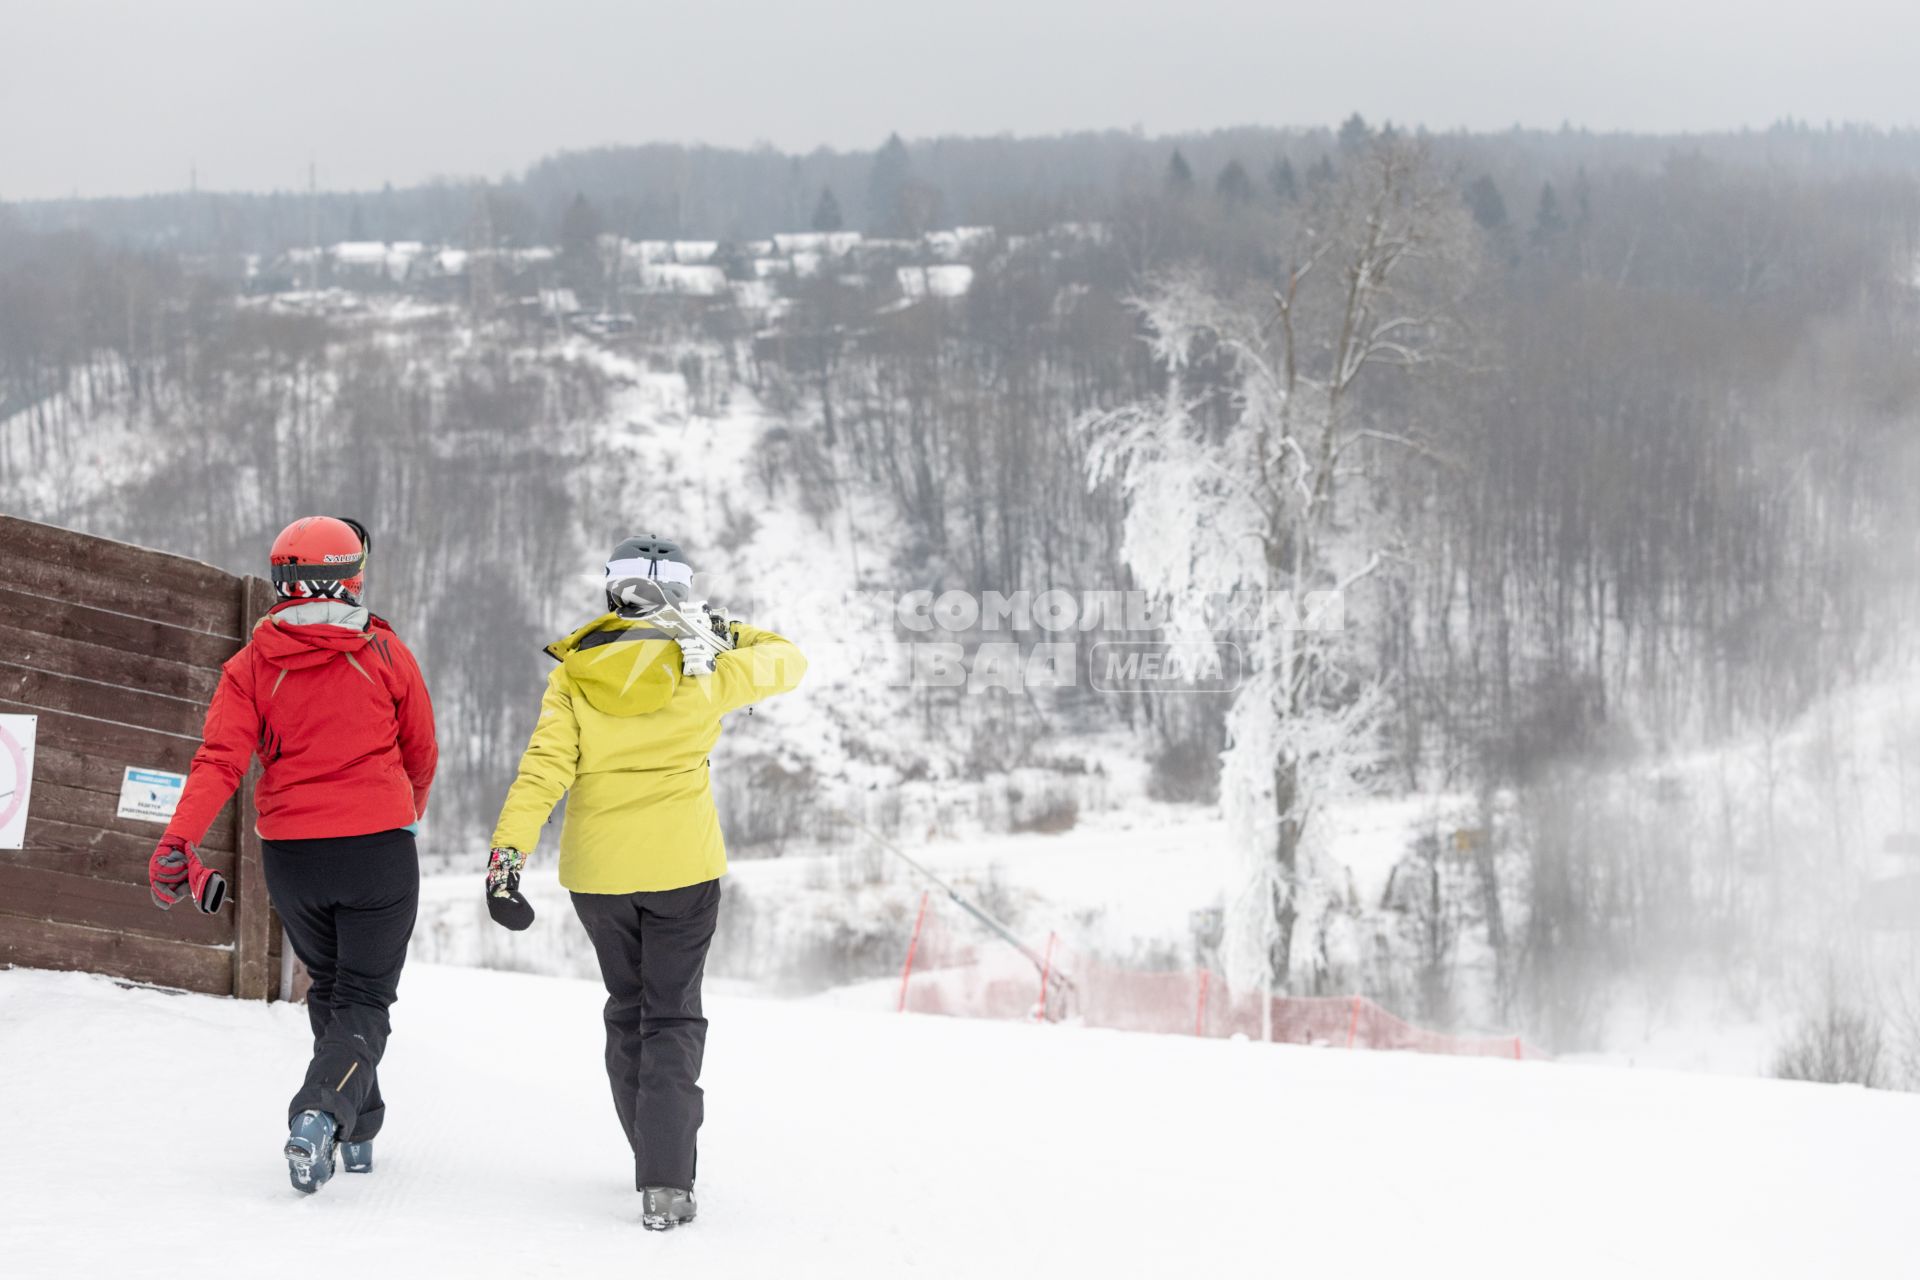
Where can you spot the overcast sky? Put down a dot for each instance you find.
(100, 97)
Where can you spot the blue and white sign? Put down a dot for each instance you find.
(149, 795)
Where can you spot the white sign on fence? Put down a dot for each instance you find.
(16, 778)
(149, 795)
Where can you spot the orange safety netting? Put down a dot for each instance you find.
(959, 969)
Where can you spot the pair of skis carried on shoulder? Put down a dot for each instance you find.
(701, 631)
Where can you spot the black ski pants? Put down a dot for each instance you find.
(348, 904)
(652, 949)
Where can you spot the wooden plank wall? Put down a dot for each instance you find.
(116, 649)
(256, 974)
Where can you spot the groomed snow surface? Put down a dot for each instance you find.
(143, 1131)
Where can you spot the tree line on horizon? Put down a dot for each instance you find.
(901, 188)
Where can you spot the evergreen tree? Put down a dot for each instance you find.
(1233, 185)
(580, 264)
(356, 224)
(826, 214)
(886, 184)
(580, 228)
(1281, 179)
(1488, 205)
(733, 259)
(1179, 174)
(1582, 198)
(1354, 134)
(1321, 171)
(1548, 221)
(793, 201)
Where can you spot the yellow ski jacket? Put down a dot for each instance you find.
(625, 736)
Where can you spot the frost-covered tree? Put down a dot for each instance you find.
(1233, 481)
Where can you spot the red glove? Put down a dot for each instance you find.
(174, 872)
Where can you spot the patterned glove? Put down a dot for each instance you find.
(503, 872)
(175, 872)
(504, 902)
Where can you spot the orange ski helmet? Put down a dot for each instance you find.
(320, 557)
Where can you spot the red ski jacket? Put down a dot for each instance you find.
(336, 709)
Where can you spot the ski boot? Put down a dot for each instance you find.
(357, 1156)
(665, 1207)
(309, 1150)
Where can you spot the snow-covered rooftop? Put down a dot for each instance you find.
(946, 280)
(959, 241)
(394, 259)
(684, 252)
(828, 242)
(672, 277)
(360, 253)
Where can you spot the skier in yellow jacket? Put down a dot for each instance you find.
(625, 727)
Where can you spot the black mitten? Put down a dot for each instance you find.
(504, 902)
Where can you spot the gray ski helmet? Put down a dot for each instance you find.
(647, 569)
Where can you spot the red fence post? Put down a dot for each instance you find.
(1046, 975)
(1353, 1022)
(1519, 1055)
(913, 944)
(1200, 1014)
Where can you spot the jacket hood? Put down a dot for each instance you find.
(624, 666)
(308, 633)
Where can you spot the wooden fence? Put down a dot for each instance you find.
(115, 650)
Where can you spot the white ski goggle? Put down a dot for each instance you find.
(658, 570)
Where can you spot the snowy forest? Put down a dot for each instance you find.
(1608, 443)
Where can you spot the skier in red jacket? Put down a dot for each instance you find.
(336, 709)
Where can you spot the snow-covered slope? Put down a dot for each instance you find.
(143, 1133)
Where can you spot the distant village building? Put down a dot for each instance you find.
(642, 277)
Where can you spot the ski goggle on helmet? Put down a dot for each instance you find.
(321, 558)
(645, 572)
